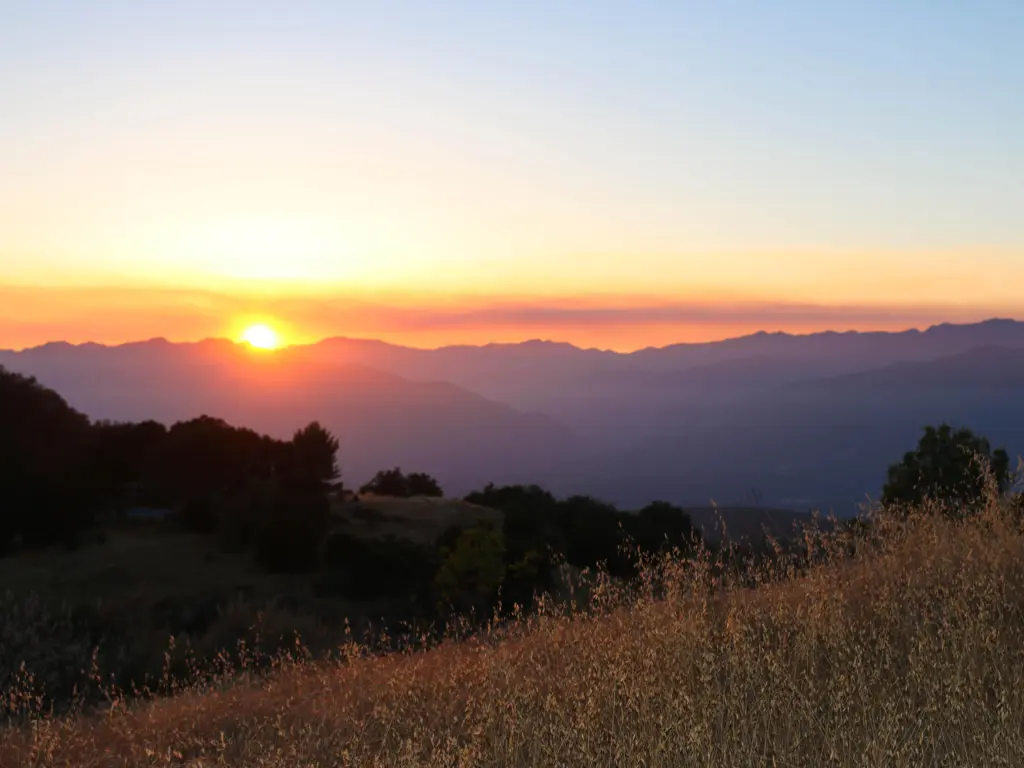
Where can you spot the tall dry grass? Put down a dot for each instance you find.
(900, 647)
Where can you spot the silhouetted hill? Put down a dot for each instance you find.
(621, 397)
(858, 349)
(381, 419)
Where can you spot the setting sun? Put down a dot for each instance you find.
(261, 337)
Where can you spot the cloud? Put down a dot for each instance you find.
(573, 312)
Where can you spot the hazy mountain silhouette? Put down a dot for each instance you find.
(504, 366)
(611, 395)
(381, 419)
(824, 442)
(795, 420)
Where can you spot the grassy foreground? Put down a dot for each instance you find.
(909, 653)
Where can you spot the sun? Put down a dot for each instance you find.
(261, 337)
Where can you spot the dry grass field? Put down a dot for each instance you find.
(908, 652)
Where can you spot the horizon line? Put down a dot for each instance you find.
(522, 342)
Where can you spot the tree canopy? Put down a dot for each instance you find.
(43, 478)
(948, 464)
(393, 482)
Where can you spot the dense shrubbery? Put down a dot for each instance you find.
(585, 532)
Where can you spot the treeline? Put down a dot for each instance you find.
(61, 474)
(476, 567)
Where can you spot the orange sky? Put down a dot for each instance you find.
(32, 316)
(617, 175)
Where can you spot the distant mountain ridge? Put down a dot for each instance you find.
(793, 420)
(939, 339)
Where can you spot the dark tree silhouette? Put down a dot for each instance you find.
(393, 482)
(947, 465)
(533, 537)
(591, 532)
(314, 464)
(660, 526)
(513, 497)
(291, 536)
(44, 496)
(204, 460)
(387, 482)
(583, 530)
(422, 484)
(123, 459)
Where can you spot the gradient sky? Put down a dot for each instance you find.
(612, 173)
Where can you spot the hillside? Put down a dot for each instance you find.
(422, 520)
(921, 636)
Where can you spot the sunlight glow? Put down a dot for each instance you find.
(261, 337)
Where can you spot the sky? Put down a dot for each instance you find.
(613, 174)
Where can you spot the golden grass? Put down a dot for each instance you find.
(909, 654)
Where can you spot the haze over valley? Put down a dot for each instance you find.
(772, 419)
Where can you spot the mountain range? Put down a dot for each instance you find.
(794, 421)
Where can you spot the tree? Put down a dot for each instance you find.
(290, 538)
(532, 534)
(508, 498)
(422, 484)
(122, 458)
(205, 459)
(393, 482)
(948, 465)
(314, 463)
(592, 534)
(472, 568)
(661, 525)
(45, 491)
